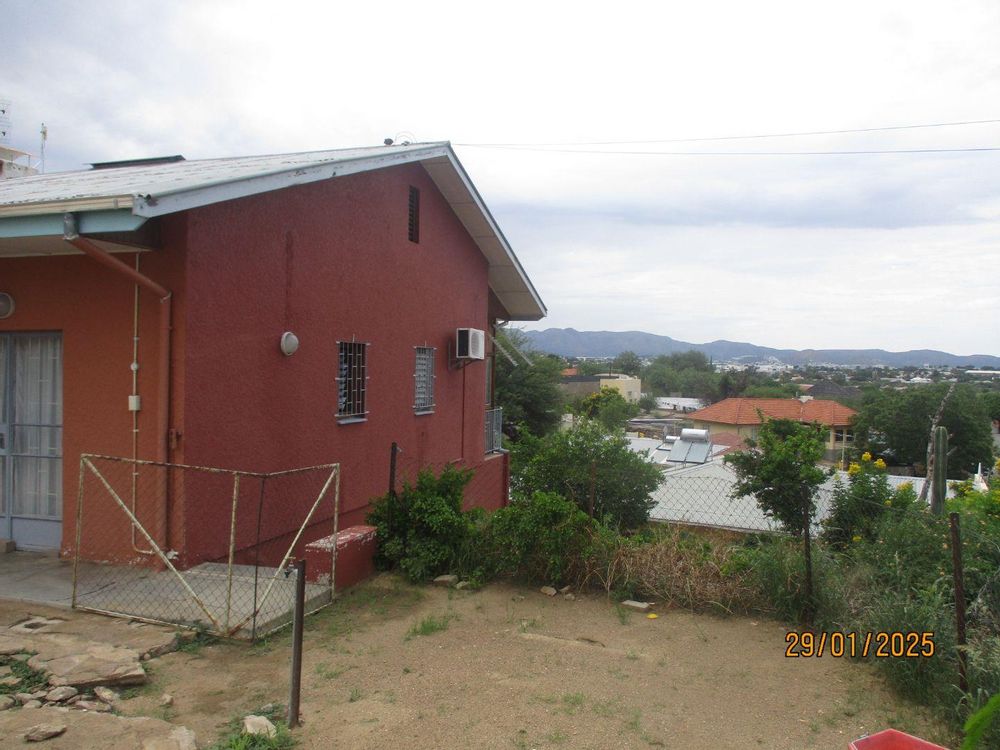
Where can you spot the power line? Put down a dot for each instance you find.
(744, 137)
(733, 153)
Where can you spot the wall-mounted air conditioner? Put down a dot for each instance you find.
(470, 343)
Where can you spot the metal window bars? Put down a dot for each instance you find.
(352, 380)
(423, 380)
(494, 434)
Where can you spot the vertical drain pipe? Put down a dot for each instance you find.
(87, 247)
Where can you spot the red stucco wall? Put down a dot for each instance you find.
(329, 261)
(93, 309)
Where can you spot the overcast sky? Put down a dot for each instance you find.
(896, 251)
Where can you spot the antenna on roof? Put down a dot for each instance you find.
(44, 132)
(387, 141)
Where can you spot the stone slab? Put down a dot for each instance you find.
(85, 729)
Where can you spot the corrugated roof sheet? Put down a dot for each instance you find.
(173, 177)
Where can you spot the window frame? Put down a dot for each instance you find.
(424, 355)
(357, 383)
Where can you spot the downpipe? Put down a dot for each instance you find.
(90, 249)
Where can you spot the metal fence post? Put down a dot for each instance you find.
(297, 623)
(957, 572)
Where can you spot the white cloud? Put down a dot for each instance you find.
(895, 251)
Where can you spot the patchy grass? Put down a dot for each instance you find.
(28, 679)
(331, 673)
(234, 739)
(430, 625)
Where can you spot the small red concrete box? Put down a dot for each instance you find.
(355, 557)
(893, 739)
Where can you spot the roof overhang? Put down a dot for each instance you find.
(36, 228)
(42, 234)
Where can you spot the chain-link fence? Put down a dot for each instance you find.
(706, 499)
(199, 547)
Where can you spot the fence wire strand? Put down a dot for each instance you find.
(199, 547)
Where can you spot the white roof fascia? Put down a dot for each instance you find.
(478, 199)
(230, 189)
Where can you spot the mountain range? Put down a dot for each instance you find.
(568, 342)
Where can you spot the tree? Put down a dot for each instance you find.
(780, 470)
(584, 463)
(528, 393)
(688, 373)
(608, 407)
(896, 424)
(628, 363)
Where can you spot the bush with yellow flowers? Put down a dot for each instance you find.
(860, 503)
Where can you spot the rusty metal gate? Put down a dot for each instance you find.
(197, 546)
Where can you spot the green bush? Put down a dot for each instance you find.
(858, 505)
(540, 538)
(777, 572)
(571, 462)
(422, 530)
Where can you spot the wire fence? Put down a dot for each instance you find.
(708, 501)
(199, 547)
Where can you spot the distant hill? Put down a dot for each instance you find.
(569, 342)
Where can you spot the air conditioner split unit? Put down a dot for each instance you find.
(470, 343)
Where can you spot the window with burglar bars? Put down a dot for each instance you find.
(423, 380)
(352, 381)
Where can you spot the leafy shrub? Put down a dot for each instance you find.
(776, 570)
(927, 680)
(570, 462)
(422, 529)
(540, 538)
(858, 505)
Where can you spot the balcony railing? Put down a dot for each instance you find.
(494, 425)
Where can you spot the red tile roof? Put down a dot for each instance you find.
(730, 440)
(743, 411)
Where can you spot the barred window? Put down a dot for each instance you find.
(423, 380)
(352, 381)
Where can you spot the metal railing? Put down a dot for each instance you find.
(199, 547)
(494, 434)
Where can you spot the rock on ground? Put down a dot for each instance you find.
(258, 725)
(60, 694)
(105, 694)
(638, 606)
(548, 591)
(446, 580)
(86, 729)
(89, 664)
(41, 732)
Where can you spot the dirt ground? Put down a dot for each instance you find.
(390, 665)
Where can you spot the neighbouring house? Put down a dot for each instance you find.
(577, 386)
(258, 313)
(744, 416)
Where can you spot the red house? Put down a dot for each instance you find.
(151, 308)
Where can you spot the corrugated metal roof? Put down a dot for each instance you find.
(163, 188)
(161, 179)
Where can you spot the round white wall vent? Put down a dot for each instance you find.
(6, 305)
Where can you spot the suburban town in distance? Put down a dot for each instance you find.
(523, 376)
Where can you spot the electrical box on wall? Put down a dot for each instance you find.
(470, 343)
(134, 403)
